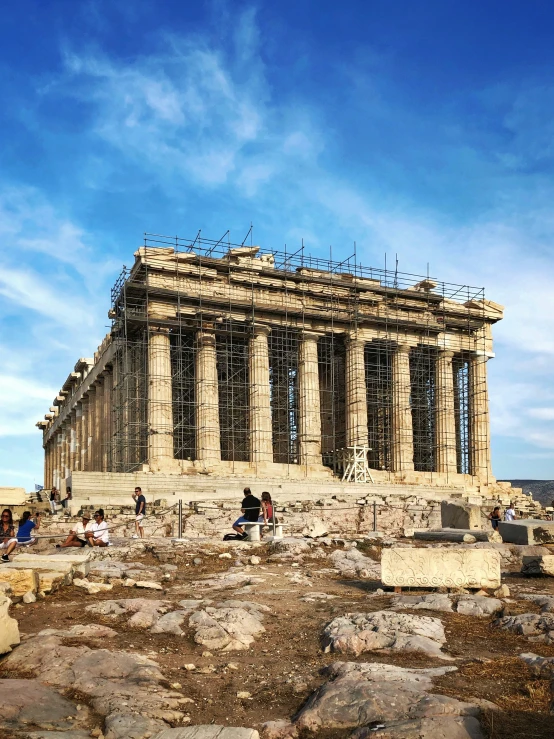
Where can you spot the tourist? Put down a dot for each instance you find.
(53, 499)
(509, 513)
(26, 525)
(140, 511)
(98, 535)
(68, 498)
(8, 542)
(250, 510)
(266, 516)
(77, 537)
(494, 517)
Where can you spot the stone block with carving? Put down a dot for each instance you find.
(433, 568)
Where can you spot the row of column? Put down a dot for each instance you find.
(208, 450)
(82, 440)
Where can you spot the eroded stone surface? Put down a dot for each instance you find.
(85, 631)
(365, 694)
(110, 679)
(145, 612)
(546, 602)
(536, 627)
(29, 704)
(387, 631)
(352, 563)
(20, 581)
(231, 626)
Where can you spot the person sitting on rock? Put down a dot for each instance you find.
(26, 525)
(77, 537)
(250, 511)
(494, 517)
(8, 542)
(98, 536)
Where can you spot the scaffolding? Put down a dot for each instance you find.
(232, 294)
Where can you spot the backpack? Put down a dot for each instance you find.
(233, 537)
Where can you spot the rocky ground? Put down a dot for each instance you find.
(295, 638)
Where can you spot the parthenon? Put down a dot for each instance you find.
(228, 360)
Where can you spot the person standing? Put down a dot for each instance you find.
(250, 511)
(68, 498)
(140, 512)
(53, 499)
(494, 517)
(8, 542)
(509, 513)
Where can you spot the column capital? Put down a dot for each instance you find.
(158, 329)
(403, 348)
(354, 339)
(446, 354)
(310, 335)
(205, 338)
(261, 330)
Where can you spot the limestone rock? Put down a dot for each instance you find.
(366, 694)
(29, 597)
(502, 592)
(289, 546)
(435, 727)
(149, 584)
(352, 563)
(49, 581)
(20, 581)
(29, 704)
(92, 587)
(478, 605)
(546, 602)
(85, 631)
(131, 726)
(314, 528)
(538, 565)
(432, 602)
(144, 612)
(110, 679)
(385, 631)
(536, 627)
(9, 629)
(227, 628)
(170, 623)
(209, 731)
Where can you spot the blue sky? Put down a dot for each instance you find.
(418, 129)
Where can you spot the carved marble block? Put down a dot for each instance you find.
(433, 568)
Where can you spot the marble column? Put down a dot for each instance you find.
(208, 444)
(58, 458)
(479, 414)
(78, 435)
(107, 417)
(160, 403)
(84, 433)
(356, 393)
(309, 413)
(402, 429)
(72, 439)
(445, 422)
(98, 441)
(47, 465)
(91, 428)
(65, 450)
(261, 440)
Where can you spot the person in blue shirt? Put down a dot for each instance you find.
(26, 525)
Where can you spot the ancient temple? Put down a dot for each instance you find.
(232, 361)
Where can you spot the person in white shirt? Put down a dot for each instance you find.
(99, 535)
(509, 513)
(77, 537)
